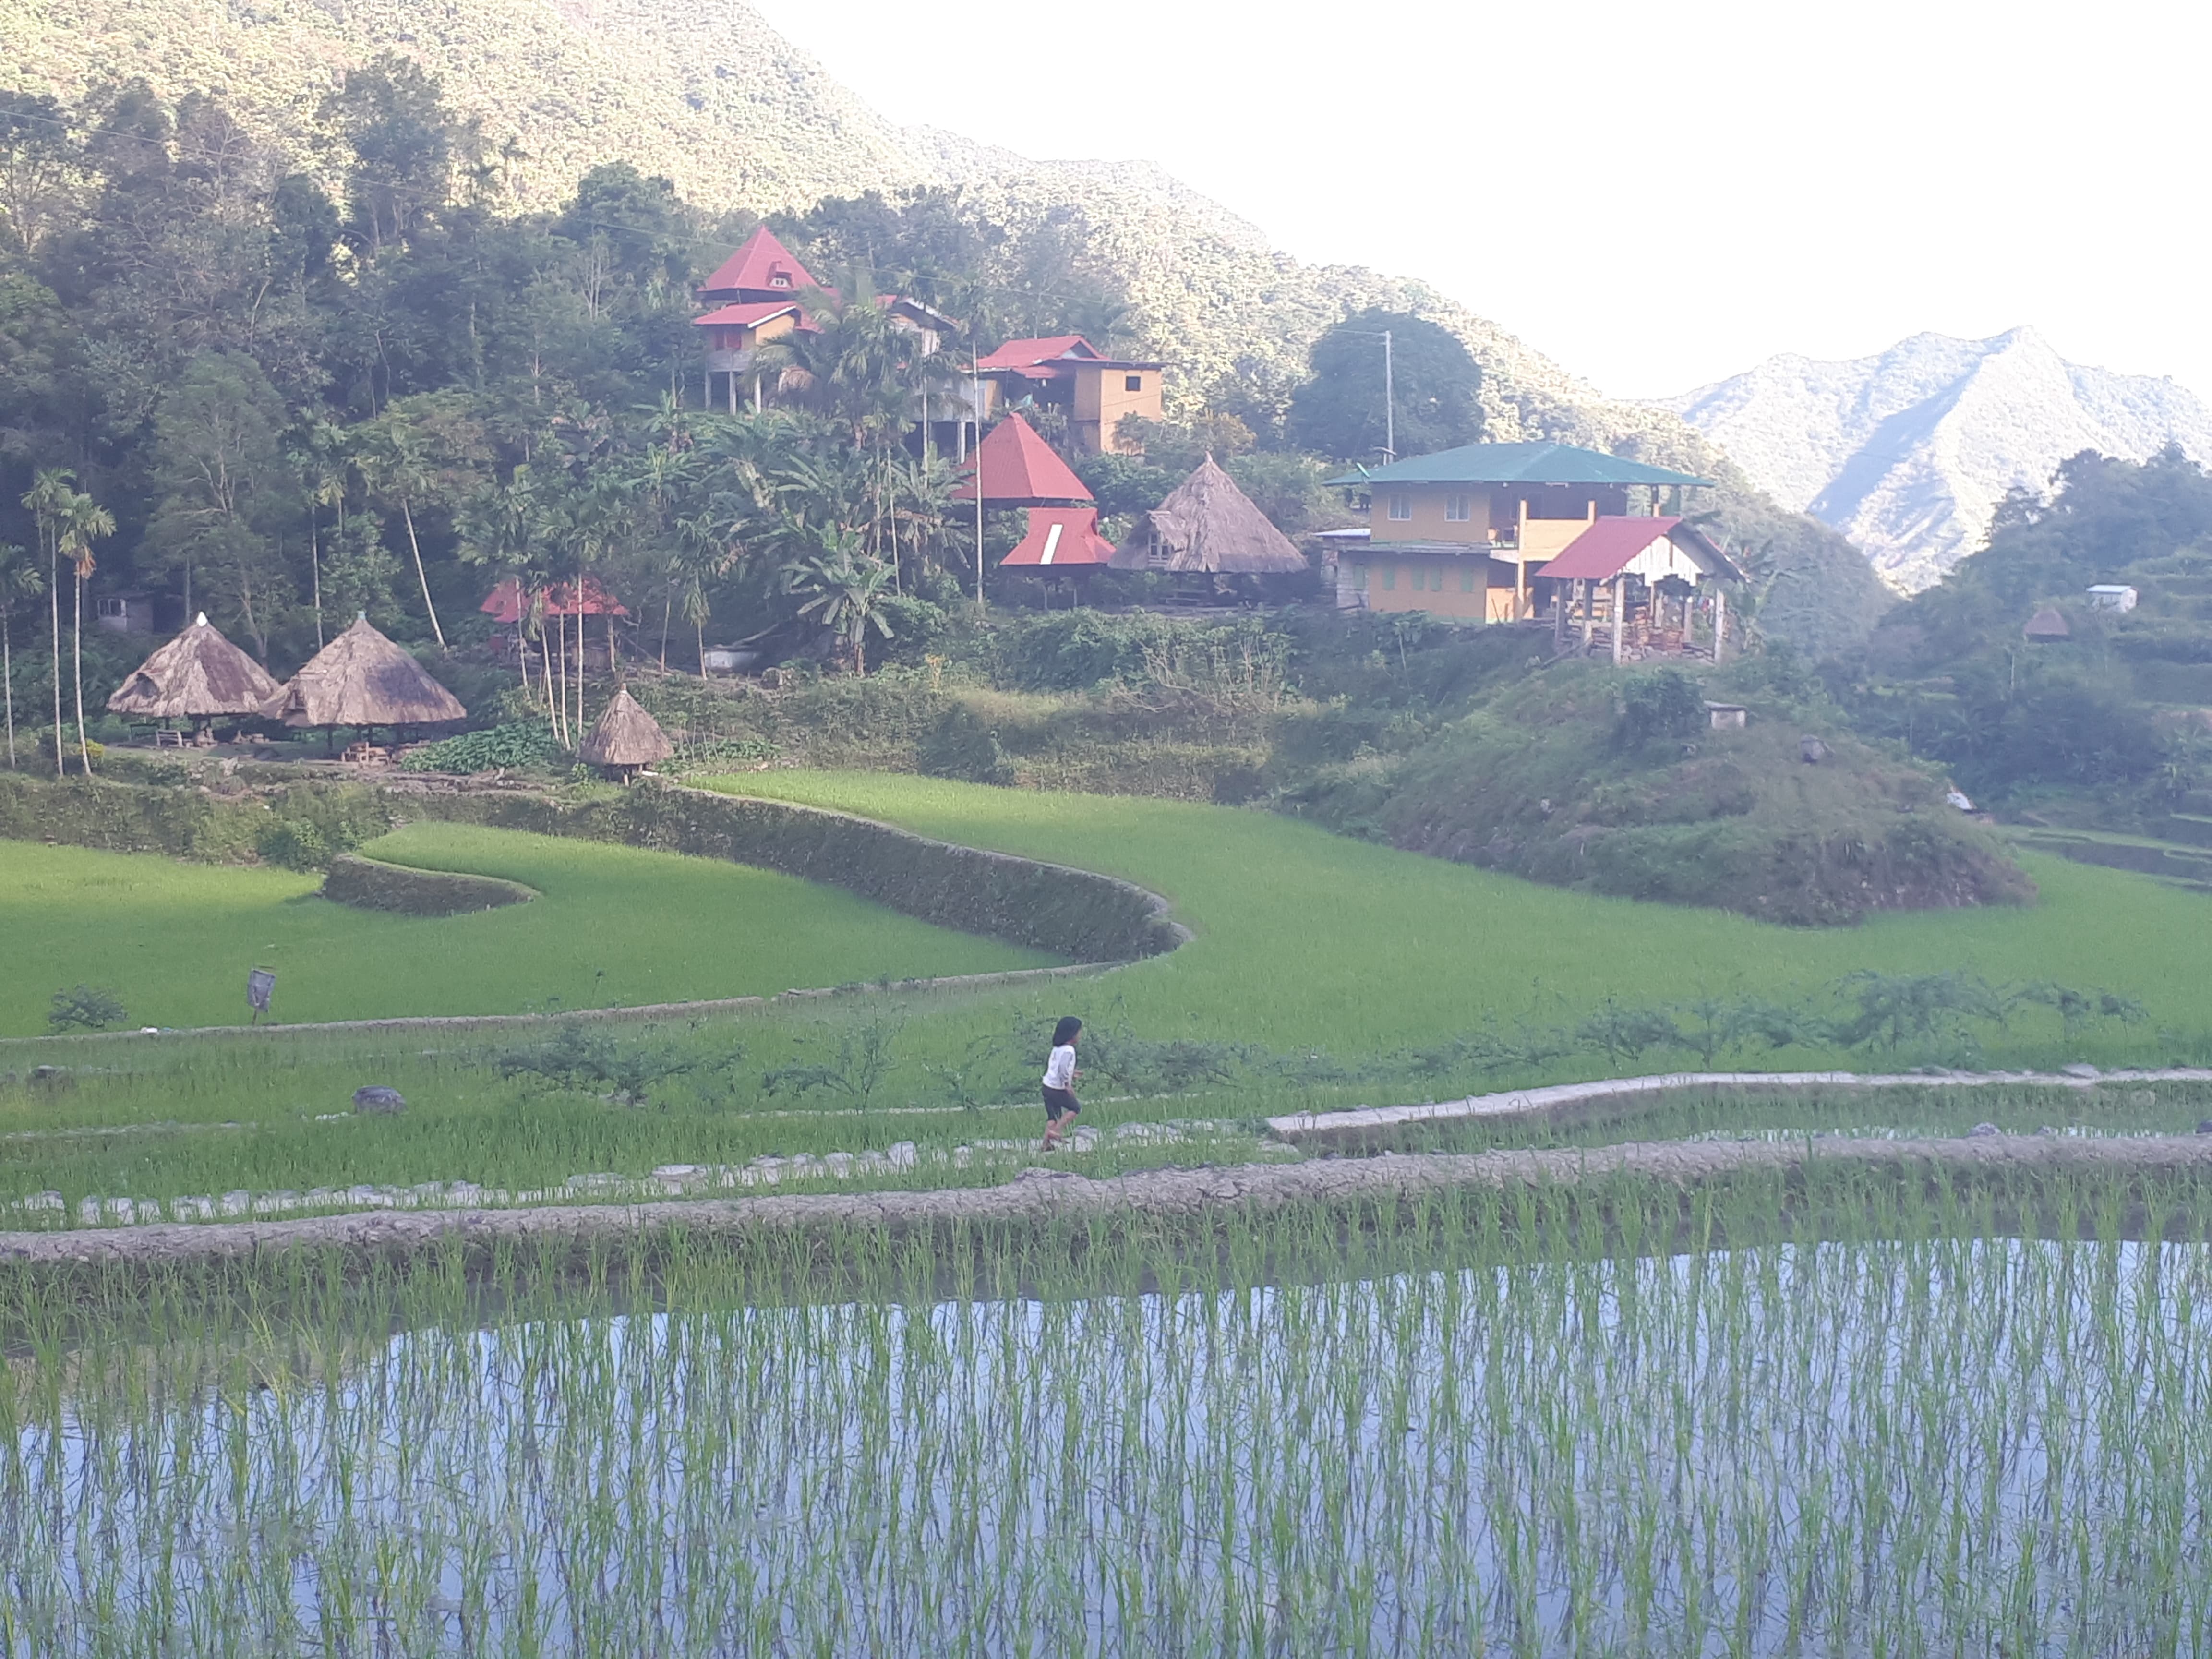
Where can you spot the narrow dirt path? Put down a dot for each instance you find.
(1039, 1195)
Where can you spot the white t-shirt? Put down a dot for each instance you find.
(1060, 1070)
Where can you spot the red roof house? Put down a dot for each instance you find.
(503, 604)
(1019, 469)
(1098, 392)
(763, 268)
(1062, 538)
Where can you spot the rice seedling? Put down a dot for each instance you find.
(1847, 1418)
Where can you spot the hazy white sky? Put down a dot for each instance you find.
(1657, 195)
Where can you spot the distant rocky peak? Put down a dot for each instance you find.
(1908, 452)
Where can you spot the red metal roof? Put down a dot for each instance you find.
(1604, 550)
(761, 268)
(1020, 470)
(1027, 354)
(751, 313)
(503, 604)
(1062, 537)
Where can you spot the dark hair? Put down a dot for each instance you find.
(1064, 1033)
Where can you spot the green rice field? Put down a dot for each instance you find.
(1326, 972)
(613, 927)
(1307, 939)
(1515, 1426)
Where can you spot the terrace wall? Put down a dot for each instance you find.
(1077, 914)
(1072, 913)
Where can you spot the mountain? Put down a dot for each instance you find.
(705, 93)
(1908, 452)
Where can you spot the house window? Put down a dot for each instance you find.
(1359, 576)
(1467, 579)
(1401, 508)
(1435, 579)
(1133, 383)
(1456, 509)
(1389, 578)
(113, 608)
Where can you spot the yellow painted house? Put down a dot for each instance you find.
(1467, 532)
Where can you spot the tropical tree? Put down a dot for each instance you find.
(843, 589)
(19, 580)
(1428, 400)
(317, 455)
(428, 450)
(507, 527)
(226, 488)
(48, 500)
(83, 521)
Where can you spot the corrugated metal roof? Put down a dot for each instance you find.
(763, 263)
(1534, 463)
(1026, 354)
(1604, 550)
(1019, 469)
(751, 313)
(1607, 547)
(1062, 538)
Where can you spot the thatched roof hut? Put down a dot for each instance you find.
(625, 739)
(1208, 525)
(361, 678)
(2048, 624)
(200, 675)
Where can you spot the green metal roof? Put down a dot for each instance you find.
(1534, 463)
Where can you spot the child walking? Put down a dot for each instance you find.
(1061, 1104)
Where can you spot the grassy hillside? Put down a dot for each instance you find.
(1586, 776)
(614, 926)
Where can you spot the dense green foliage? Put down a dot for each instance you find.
(1435, 388)
(2104, 726)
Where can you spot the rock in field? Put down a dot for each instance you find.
(377, 1099)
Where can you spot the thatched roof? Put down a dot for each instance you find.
(196, 676)
(361, 678)
(624, 736)
(1207, 523)
(2047, 624)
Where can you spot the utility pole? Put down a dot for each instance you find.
(1390, 403)
(976, 407)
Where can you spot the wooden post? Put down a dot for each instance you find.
(1619, 595)
(1589, 612)
(1559, 619)
(1720, 621)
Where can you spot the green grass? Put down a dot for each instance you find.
(615, 927)
(1308, 939)
(1326, 972)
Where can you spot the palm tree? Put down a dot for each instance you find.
(83, 521)
(47, 498)
(505, 526)
(319, 458)
(847, 589)
(19, 580)
(395, 463)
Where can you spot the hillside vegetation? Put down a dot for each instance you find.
(742, 124)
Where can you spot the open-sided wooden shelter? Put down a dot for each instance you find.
(361, 678)
(199, 676)
(624, 739)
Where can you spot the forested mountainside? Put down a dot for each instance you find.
(709, 97)
(1909, 452)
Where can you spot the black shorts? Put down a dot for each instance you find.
(1057, 1100)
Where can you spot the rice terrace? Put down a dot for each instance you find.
(769, 886)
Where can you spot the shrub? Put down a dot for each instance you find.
(515, 745)
(1665, 703)
(962, 747)
(295, 844)
(85, 1008)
